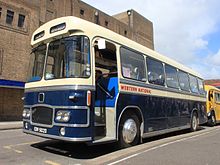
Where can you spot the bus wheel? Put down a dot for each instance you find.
(194, 122)
(212, 120)
(129, 130)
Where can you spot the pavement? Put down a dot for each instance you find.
(11, 125)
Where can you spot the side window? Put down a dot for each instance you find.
(171, 77)
(193, 84)
(155, 72)
(217, 97)
(133, 66)
(183, 80)
(201, 87)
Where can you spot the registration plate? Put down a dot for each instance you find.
(40, 130)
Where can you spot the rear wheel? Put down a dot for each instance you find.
(212, 120)
(129, 130)
(194, 122)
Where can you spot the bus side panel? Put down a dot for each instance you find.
(202, 115)
(151, 107)
(161, 112)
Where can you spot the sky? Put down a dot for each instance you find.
(187, 31)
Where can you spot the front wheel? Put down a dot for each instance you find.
(129, 130)
(194, 122)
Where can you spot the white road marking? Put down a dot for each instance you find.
(10, 147)
(51, 162)
(160, 146)
(11, 130)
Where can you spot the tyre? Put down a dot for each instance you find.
(212, 119)
(194, 122)
(129, 130)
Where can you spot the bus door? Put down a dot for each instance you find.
(106, 81)
(217, 105)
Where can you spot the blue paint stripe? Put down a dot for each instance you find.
(11, 83)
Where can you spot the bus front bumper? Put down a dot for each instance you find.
(70, 139)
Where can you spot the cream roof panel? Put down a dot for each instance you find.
(91, 29)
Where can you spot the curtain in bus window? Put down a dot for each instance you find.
(193, 84)
(171, 77)
(133, 66)
(155, 72)
(183, 80)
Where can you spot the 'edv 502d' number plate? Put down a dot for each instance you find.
(41, 130)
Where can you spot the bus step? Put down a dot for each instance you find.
(100, 131)
(99, 124)
(104, 139)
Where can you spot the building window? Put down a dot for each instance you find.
(82, 12)
(1, 61)
(0, 12)
(106, 23)
(9, 17)
(97, 17)
(21, 19)
(125, 32)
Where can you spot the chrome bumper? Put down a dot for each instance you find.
(85, 139)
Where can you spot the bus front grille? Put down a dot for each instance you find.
(42, 115)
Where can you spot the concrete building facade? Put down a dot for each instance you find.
(20, 18)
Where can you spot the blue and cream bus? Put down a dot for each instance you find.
(89, 84)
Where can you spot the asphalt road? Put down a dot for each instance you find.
(182, 148)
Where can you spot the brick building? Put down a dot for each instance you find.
(19, 19)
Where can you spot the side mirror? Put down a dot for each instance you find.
(101, 44)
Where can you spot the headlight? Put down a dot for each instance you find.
(26, 113)
(63, 116)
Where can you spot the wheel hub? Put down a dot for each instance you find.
(194, 122)
(129, 131)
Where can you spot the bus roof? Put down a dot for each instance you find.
(74, 24)
(210, 87)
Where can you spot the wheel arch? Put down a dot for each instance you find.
(137, 111)
(194, 111)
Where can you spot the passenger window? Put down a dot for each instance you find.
(201, 87)
(217, 97)
(183, 80)
(155, 72)
(171, 77)
(133, 66)
(193, 84)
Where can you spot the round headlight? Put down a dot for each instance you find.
(24, 113)
(62, 131)
(66, 116)
(28, 113)
(63, 116)
(59, 116)
(26, 125)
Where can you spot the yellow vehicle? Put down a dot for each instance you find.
(213, 104)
